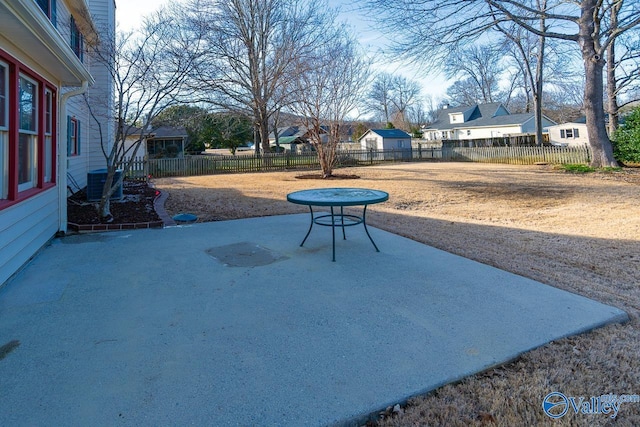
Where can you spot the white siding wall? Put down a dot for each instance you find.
(371, 140)
(78, 166)
(487, 132)
(25, 228)
(28, 225)
(101, 94)
(392, 143)
(555, 136)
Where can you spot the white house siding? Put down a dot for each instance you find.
(371, 141)
(488, 132)
(99, 96)
(27, 36)
(78, 165)
(103, 14)
(29, 224)
(25, 228)
(556, 138)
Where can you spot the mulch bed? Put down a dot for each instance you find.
(332, 177)
(135, 207)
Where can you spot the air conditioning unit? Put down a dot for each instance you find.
(95, 182)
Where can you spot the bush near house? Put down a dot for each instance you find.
(626, 140)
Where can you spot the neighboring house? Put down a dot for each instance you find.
(385, 139)
(162, 142)
(45, 128)
(166, 141)
(480, 121)
(569, 134)
(294, 138)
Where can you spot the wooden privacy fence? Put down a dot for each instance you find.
(142, 168)
(519, 155)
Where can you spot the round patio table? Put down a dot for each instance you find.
(338, 197)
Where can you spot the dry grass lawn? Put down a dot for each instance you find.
(578, 232)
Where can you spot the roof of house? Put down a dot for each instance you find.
(294, 131)
(479, 115)
(164, 132)
(391, 133)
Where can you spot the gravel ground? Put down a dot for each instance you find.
(578, 232)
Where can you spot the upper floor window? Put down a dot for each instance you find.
(76, 39)
(49, 9)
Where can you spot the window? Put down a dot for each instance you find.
(27, 132)
(4, 87)
(468, 132)
(569, 133)
(73, 136)
(76, 39)
(399, 144)
(4, 127)
(48, 135)
(49, 9)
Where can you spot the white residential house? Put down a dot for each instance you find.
(480, 121)
(570, 134)
(45, 128)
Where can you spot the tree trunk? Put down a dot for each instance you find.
(599, 141)
(264, 131)
(104, 206)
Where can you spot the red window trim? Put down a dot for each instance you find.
(16, 68)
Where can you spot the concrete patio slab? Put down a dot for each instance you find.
(232, 323)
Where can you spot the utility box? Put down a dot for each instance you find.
(95, 183)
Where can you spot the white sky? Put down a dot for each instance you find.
(130, 12)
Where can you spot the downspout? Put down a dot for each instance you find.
(62, 155)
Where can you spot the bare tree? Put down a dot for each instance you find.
(251, 48)
(435, 26)
(391, 97)
(480, 68)
(149, 70)
(379, 96)
(405, 95)
(327, 88)
(532, 57)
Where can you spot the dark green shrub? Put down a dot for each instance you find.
(626, 140)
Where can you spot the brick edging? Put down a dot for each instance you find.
(86, 228)
(158, 206)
